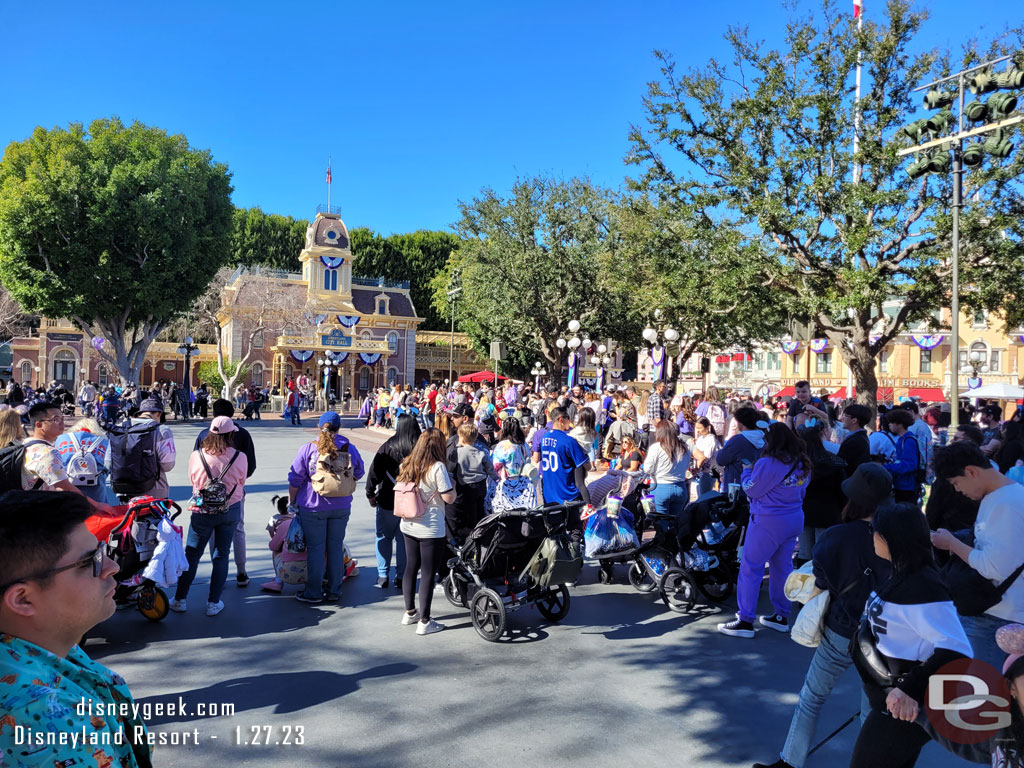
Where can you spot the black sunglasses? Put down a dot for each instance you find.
(96, 558)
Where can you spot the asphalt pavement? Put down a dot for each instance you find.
(620, 681)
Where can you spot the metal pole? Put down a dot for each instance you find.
(856, 103)
(451, 346)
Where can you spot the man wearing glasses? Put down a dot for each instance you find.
(43, 469)
(59, 706)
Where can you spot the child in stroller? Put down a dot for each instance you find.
(289, 555)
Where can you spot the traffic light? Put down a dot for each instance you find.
(997, 144)
(918, 168)
(1010, 79)
(940, 162)
(940, 121)
(976, 111)
(974, 154)
(1001, 105)
(982, 82)
(938, 99)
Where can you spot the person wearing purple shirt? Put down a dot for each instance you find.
(775, 486)
(323, 519)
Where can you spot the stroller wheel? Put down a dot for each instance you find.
(554, 604)
(640, 579)
(451, 591)
(153, 604)
(488, 614)
(678, 590)
(605, 575)
(716, 584)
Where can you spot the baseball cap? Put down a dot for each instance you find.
(870, 484)
(462, 409)
(221, 425)
(330, 419)
(151, 405)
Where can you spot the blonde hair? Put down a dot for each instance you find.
(10, 427)
(468, 433)
(88, 424)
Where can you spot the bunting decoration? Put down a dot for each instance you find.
(338, 357)
(332, 262)
(301, 355)
(789, 347)
(315, 319)
(818, 345)
(572, 370)
(616, 374)
(369, 357)
(98, 342)
(349, 321)
(1021, 339)
(658, 358)
(926, 341)
(600, 379)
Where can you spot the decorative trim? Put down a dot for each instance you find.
(658, 358)
(571, 381)
(926, 341)
(301, 355)
(789, 347)
(349, 321)
(338, 357)
(332, 262)
(819, 345)
(369, 358)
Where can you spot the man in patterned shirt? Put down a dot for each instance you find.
(58, 706)
(656, 405)
(43, 469)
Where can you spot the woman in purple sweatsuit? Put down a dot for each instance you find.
(775, 485)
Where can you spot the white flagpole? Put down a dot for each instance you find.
(329, 179)
(856, 105)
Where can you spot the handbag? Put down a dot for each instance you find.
(972, 593)
(408, 502)
(870, 662)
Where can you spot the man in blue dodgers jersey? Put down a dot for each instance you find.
(564, 468)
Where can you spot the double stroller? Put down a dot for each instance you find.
(132, 542)
(513, 559)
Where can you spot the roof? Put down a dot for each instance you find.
(399, 305)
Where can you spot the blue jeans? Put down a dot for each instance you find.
(981, 631)
(671, 498)
(324, 530)
(221, 528)
(428, 419)
(830, 660)
(389, 537)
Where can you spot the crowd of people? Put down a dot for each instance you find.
(914, 533)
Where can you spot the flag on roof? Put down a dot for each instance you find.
(328, 171)
(858, 8)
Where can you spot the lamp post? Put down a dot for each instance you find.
(651, 335)
(975, 364)
(186, 348)
(601, 362)
(537, 372)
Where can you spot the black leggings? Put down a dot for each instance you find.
(885, 742)
(425, 556)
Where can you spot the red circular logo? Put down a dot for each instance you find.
(967, 701)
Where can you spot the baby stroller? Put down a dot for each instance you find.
(249, 412)
(131, 542)
(514, 559)
(67, 404)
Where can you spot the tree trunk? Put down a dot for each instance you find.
(862, 365)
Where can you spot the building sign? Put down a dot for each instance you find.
(65, 336)
(336, 338)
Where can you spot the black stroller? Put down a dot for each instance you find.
(511, 560)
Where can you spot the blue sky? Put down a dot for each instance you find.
(420, 105)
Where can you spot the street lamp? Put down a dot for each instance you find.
(186, 348)
(975, 364)
(537, 372)
(651, 334)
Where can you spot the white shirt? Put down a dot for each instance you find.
(660, 465)
(999, 547)
(881, 444)
(431, 525)
(913, 632)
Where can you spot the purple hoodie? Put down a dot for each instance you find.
(773, 489)
(301, 472)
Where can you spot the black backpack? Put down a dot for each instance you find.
(134, 465)
(12, 461)
(212, 498)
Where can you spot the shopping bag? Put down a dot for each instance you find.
(295, 539)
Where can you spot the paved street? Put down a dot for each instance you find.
(620, 681)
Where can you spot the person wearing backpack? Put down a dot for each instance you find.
(217, 471)
(142, 452)
(907, 473)
(321, 482)
(84, 451)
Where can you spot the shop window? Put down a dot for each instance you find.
(26, 371)
(883, 361)
(364, 377)
(993, 365)
(926, 361)
(257, 374)
(393, 343)
(774, 361)
(257, 340)
(823, 362)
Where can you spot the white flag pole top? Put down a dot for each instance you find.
(328, 183)
(858, 14)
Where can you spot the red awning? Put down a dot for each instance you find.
(929, 394)
(480, 376)
(740, 357)
(839, 394)
(722, 359)
(786, 392)
(884, 395)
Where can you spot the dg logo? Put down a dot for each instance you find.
(967, 701)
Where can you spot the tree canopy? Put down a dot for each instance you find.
(97, 225)
(267, 239)
(763, 146)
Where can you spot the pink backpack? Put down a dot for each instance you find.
(408, 502)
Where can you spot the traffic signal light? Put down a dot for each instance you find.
(1001, 105)
(940, 162)
(938, 99)
(998, 145)
(982, 82)
(940, 121)
(1010, 79)
(974, 154)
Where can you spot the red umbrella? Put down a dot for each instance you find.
(479, 376)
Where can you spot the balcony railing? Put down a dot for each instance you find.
(380, 282)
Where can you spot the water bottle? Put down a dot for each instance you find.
(613, 505)
(647, 500)
(656, 564)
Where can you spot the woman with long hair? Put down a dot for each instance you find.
(823, 502)
(667, 462)
(323, 518)
(585, 431)
(705, 449)
(216, 459)
(425, 543)
(12, 429)
(380, 492)
(1012, 449)
(914, 626)
(510, 457)
(775, 486)
(629, 458)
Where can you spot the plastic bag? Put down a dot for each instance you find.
(604, 535)
(1016, 473)
(625, 536)
(295, 539)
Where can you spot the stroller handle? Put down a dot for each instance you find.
(124, 521)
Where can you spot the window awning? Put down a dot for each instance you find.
(929, 394)
(722, 359)
(840, 394)
(740, 357)
(786, 392)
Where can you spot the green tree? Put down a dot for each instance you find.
(116, 228)
(266, 239)
(763, 146)
(210, 372)
(528, 265)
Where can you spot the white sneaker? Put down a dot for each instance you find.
(212, 609)
(428, 627)
(178, 606)
(408, 619)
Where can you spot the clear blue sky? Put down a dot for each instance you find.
(419, 104)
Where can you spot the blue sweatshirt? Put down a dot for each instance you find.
(775, 488)
(904, 468)
(746, 446)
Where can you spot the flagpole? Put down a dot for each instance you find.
(329, 157)
(859, 7)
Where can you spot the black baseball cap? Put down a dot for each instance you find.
(462, 409)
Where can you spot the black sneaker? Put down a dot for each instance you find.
(301, 597)
(333, 598)
(398, 584)
(780, 763)
(381, 583)
(777, 622)
(737, 628)
(242, 579)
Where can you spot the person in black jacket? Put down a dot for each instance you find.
(380, 492)
(242, 441)
(824, 500)
(846, 566)
(913, 624)
(856, 448)
(947, 507)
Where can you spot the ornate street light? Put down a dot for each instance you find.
(186, 348)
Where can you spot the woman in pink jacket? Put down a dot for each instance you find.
(217, 471)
